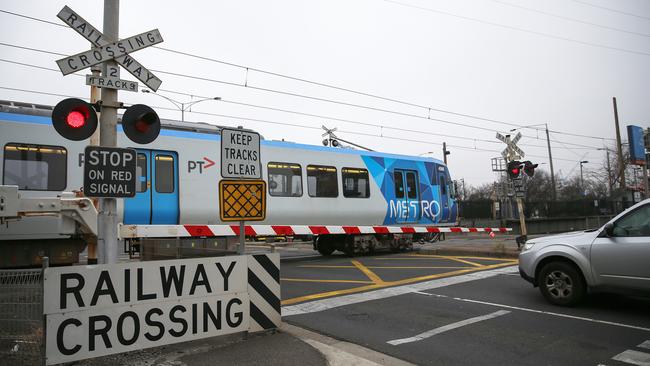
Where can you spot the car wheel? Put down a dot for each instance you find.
(561, 284)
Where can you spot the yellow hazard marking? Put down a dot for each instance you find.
(384, 284)
(465, 261)
(242, 200)
(324, 281)
(464, 257)
(386, 267)
(370, 274)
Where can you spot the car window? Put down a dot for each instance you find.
(637, 223)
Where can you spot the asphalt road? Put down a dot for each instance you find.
(481, 316)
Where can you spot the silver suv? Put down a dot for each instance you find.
(615, 257)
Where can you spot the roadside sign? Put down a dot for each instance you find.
(242, 200)
(109, 172)
(112, 83)
(110, 51)
(94, 36)
(512, 151)
(94, 311)
(240, 154)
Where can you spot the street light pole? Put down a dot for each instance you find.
(582, 182)
(180, 105)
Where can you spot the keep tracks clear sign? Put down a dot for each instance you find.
(240, 154)
(105, 309)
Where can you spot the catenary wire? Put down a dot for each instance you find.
(469, 148)
(321, 116)
(610, 9)
(328, 85)
(570, 19)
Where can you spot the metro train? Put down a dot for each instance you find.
(178, 180)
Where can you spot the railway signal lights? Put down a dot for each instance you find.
(141, 124)
(529, 168)
(514, 169)
(74, 119)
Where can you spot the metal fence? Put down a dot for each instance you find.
(21, 317)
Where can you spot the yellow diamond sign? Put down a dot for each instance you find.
(242, 200)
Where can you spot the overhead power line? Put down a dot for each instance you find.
(571, 19)
(247, 68)
(427, 142)
(510, 27)
(612, 10)
(323, 116)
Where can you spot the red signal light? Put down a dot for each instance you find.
(141, 126)
(75, 119)
(515, 171)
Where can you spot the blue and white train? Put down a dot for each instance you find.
(178, 181)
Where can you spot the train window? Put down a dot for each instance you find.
(321, 181)
(399, 184)
(355, 183)
(164, 173)
(35, 167)
(411, 185)
(443, 185)
(285, 179)
(141, 173)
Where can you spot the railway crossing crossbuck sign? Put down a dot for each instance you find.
(107, 50)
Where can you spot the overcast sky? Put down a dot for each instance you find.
(555, 62)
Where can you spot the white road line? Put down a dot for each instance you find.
(633, 357)
(546, 312)
(645, 344)
(447, 327)
(333, 302)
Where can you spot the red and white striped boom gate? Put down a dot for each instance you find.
(186, 231)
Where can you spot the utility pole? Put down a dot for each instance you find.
(107, 225)
(95, 96)
(445, 152)
(609, 173)
(550, 161)
(621, 167)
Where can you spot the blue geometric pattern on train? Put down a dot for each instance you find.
(427, 209)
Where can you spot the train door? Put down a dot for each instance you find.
(407, 195)
(444, 196)
(156, 198)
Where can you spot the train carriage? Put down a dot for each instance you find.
(178, 178)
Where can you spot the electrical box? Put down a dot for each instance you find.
(8, 201)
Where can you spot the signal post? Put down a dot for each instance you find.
(515, 169)
(77, 120)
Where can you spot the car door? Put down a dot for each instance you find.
(623, 258)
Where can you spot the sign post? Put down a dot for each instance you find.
(109, 51)
(510, 153)
(243, 199)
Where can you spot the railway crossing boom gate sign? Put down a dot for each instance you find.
(107, 50)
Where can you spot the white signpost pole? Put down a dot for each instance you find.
(107, 225)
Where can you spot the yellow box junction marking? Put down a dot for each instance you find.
(242, 200)
(379, 283)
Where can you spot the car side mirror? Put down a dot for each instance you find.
(608, 230)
